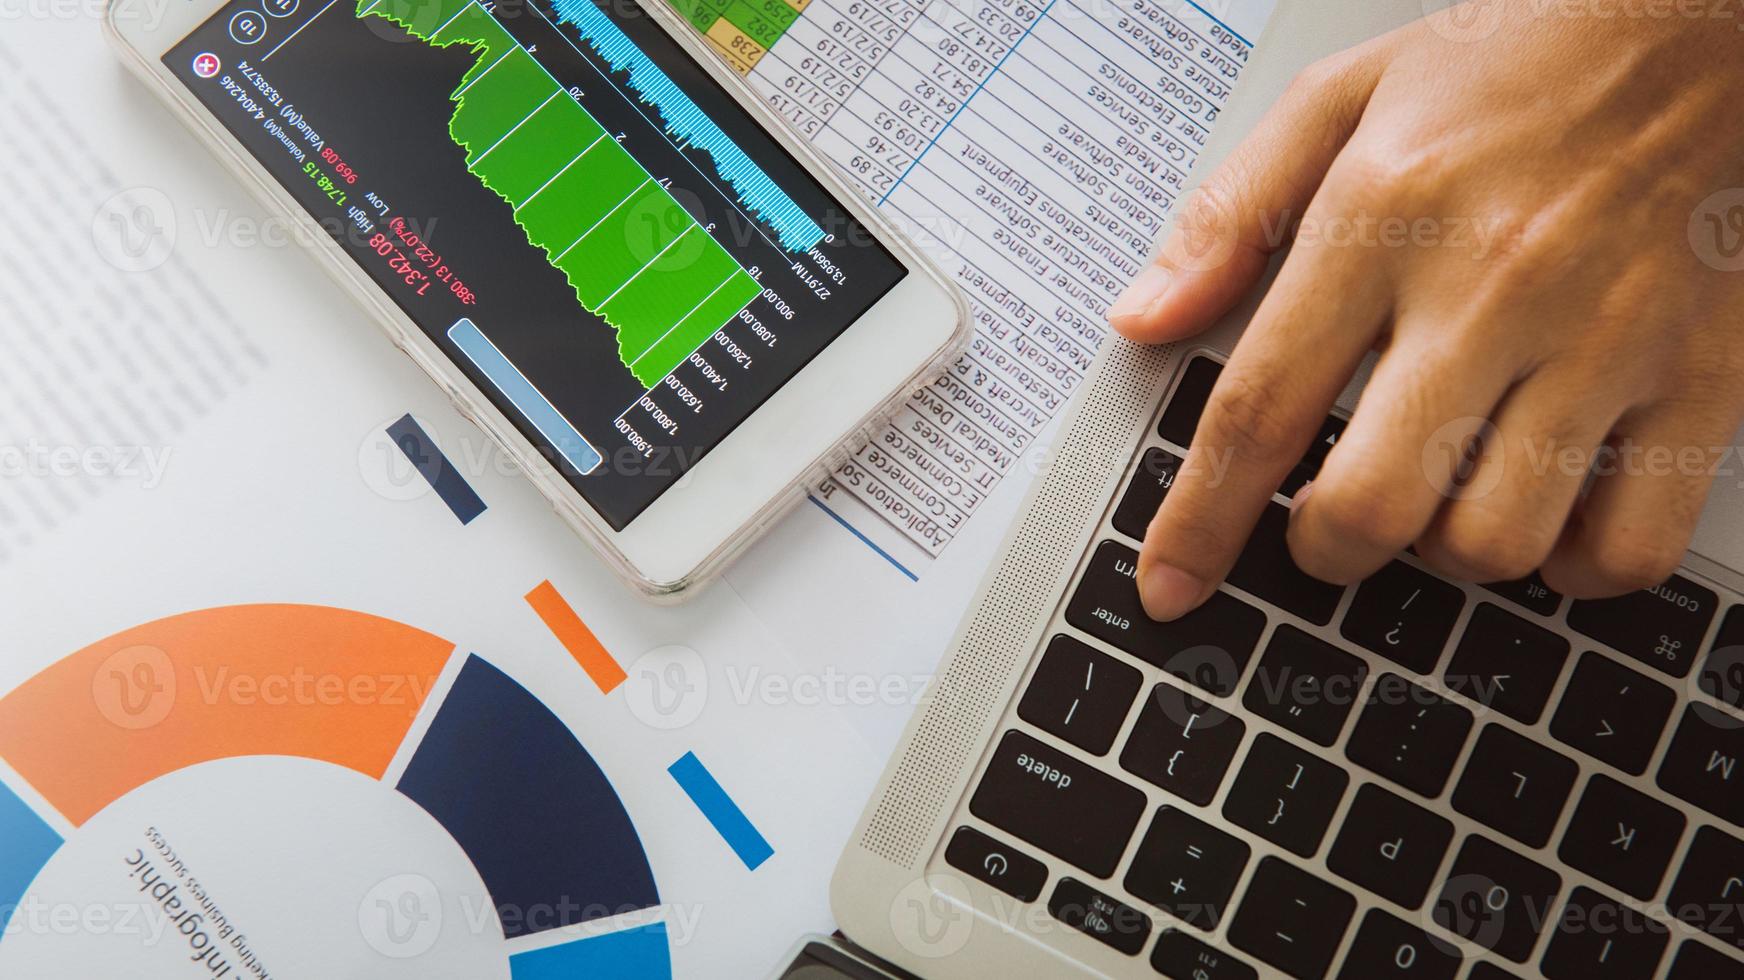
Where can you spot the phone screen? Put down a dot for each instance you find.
(612, 249)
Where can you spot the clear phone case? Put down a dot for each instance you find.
(475, 407)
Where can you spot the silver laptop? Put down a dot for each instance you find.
(1408, 778)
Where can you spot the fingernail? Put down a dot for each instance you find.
(1169, 593)
(1301, 496)
(1147, 289)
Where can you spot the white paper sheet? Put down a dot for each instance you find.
(1033, 147)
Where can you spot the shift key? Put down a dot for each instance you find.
(1061, 805)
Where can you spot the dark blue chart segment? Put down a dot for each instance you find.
(527, 803)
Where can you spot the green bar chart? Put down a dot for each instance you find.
(634, 256)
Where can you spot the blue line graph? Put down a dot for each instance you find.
(683, 119)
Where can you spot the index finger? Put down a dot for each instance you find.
(1302, 346)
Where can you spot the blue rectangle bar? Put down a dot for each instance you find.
(729, 821)
(527, 399)
(420, 450)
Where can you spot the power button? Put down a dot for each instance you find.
(980, 856)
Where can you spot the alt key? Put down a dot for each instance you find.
(987, 860)
(1179, 956)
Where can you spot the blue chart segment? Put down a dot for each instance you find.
(629, 954)
(529, 806)
(681, 117)
(26, 844)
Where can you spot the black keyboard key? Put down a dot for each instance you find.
(1157, 470)
(1409, 735)
(1529, 592)
(1305, 684)
(1661, 627)
(1179, 956)
(1080, 694)
(1209, 646)
(1100, 916)
(1387, 947)
(1404, 614)
(1598, 939)
(1515, 785)
(1709, 891)
(1702, 761)
(1497, 899)
(1266, 569)
(1697, 962)
(1291, 919)
(1390, 846)
(1507, 663)
(1000, 865)
(1612, 713)
(1489, 971)
(1187, 403)
(1623, 838)
(1041, 795)
(1187, 868)
(1285, 795)
(1722, 672)
(1182, 744)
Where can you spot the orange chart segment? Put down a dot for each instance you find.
(310, 681)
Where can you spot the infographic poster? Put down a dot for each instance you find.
(288, 791)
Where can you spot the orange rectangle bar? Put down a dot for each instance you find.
(562, 621)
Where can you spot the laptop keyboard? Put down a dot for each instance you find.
(1419, 779)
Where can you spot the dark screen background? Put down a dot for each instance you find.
(379, 99)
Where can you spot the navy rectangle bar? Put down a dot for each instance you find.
(420, 450)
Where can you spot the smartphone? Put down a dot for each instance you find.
(617, 261)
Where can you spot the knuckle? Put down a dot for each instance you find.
(1324, 78)
(1380, 174)
(1366, 512)
(1635, 562)
(1492, 552)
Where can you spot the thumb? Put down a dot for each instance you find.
(1224, 231)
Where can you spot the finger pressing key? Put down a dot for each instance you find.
(1303, 345)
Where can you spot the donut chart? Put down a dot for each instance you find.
(250, 715)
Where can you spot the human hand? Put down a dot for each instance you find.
(1582, 314)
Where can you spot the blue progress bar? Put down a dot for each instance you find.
(526, 398)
